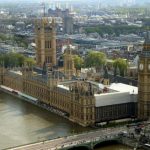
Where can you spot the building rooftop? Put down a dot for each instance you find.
(63, 87)
(16, 72)
(120, 87)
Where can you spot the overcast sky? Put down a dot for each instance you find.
(104, 1)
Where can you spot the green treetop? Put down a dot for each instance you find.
(121, 65)
(16, 60)
(95, 59)
(78, 62)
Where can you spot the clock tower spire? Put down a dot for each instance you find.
(144, 81)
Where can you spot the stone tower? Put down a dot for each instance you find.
(82, 109)
(144, 81)
(45, 40)
(69, 69)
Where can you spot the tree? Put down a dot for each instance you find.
(30, 61)
(78, 61)
(15, 60)
(95, 59)
(121, 65)
(19, 58)
(114, 29)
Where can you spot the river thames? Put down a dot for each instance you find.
(22, 123)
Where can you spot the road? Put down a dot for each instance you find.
(73, 140)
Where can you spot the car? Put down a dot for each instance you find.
(123, 133)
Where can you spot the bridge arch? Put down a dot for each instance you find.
(79, 148)
(104, 143)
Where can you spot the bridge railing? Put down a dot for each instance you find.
(88, 141)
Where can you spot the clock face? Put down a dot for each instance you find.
(141, 66)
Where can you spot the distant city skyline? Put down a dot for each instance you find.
(102, 1)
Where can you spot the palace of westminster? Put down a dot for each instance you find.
(83, 101)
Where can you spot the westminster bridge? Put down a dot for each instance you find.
(88, 140)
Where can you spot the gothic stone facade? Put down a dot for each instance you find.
(45, 42)
(144, 81)
(78, 102)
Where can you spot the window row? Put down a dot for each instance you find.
(47, 44)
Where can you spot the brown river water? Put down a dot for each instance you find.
(22, 123)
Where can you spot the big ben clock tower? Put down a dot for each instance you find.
(144, 81)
